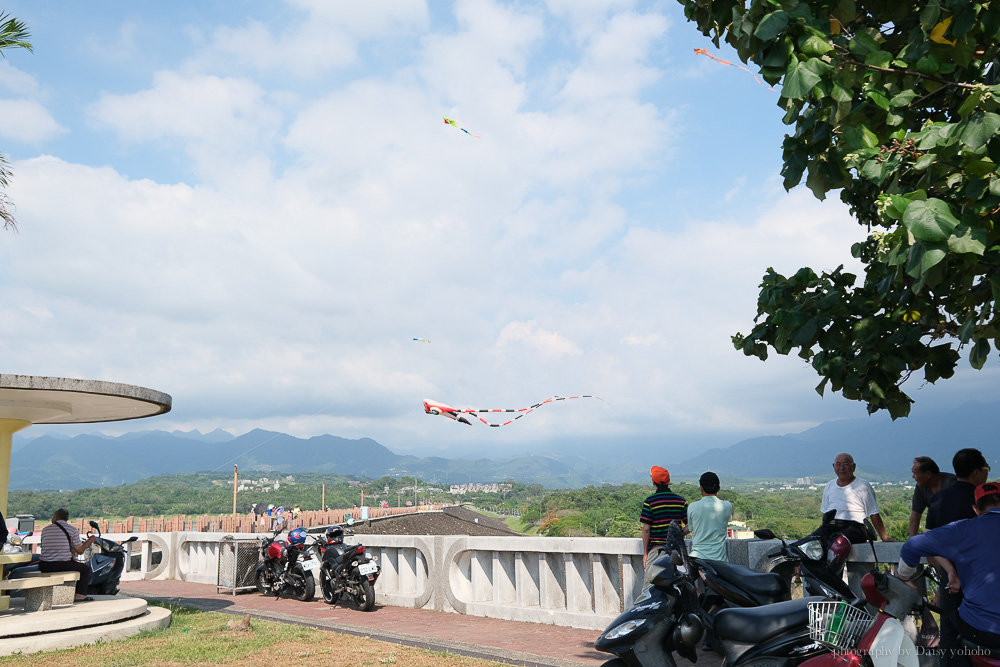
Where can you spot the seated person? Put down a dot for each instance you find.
(971, 546)
(59, 541)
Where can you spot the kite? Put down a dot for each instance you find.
(726, 62)
(454, 124)
(435, 408)
(421, 340)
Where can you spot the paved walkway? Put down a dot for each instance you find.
(513, 642)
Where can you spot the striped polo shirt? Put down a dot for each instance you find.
(659, 510)
(55, 546)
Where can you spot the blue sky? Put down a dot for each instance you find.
(255, 207)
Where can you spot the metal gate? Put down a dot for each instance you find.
(238, 560)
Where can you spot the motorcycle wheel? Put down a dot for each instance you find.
(263, 585)
(615, 662)
(326, 586)
(365, 596)
(304, 586)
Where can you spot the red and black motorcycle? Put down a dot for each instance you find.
(287, 566)
(347, 570)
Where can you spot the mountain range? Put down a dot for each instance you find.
(882, 448)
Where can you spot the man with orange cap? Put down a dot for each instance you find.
(658, 511)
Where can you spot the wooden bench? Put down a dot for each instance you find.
(43, 589)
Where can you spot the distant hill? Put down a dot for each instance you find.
(92, 460)
(882, 448)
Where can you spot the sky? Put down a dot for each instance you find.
(256, 207)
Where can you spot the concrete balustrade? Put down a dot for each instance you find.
(576, 582)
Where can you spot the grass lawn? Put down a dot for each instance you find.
(208, 638)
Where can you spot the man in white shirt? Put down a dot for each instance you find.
(853, 499)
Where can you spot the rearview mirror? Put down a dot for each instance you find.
(93, 524)
(765, 534)
(675, 558)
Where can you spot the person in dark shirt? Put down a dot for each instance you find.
(658, 511)
(970, 547)
(929, 481)
(955, 503)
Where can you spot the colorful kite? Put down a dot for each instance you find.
(435, 408)
(454, 124)
(421, 340)
(726, 62)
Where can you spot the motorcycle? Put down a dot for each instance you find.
(281, 566)
(820, 565)
(347, 570)
(107, 562)
(667, 617)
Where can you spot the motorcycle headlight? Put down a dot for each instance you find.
(812, 550)
(624, 629)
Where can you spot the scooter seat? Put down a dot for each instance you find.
(764, 584)
(755, 624)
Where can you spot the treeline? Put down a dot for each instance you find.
(606, 511)
(212, 493)
(613, 511)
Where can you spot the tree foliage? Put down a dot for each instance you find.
(13, 34)
(896, 105)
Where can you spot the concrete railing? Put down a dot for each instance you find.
(576, 582)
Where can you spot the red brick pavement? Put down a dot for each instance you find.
(513, 642)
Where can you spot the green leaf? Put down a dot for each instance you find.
(904, 98)
(930, 220)
(878, 98)
(922, 259)
(968, 240)
(925, 161)
(860, 136)
(863, 42)
(978, 129)
(879, 59)
(815, 46)
(980, 351)
(799, 81)
(771, 25)
(929, 65)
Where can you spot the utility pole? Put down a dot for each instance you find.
(235, 468)
(322, 502)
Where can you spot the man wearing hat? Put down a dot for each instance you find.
(708, 520)
(971, 547)
(658, 511)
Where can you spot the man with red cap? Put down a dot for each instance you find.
(658, 511)
(970, 547)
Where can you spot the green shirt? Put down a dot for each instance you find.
(708, 520)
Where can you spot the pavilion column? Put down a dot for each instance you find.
(8, 427)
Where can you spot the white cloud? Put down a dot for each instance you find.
(527, 333)
(28, 121)
(17, 82)
(320, 37)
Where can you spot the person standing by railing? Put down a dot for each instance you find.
(659, 509)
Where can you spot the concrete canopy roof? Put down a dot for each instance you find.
(49, 400)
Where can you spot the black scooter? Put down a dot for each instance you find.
(107, 564)
(667, 618)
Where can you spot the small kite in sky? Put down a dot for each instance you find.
(726, 62)
(454, 124)
(421, 340)
(435, 408)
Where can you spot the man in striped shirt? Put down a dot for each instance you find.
(59, 541)
(658, 511)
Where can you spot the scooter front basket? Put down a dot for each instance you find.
(837, 624)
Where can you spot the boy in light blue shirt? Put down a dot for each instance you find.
(708, 520)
